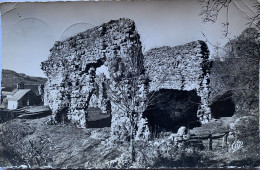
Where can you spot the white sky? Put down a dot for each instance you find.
(29, 30)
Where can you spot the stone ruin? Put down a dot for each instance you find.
(75, 86)
(183, 68)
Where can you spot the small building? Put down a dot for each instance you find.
(19, 97)
(4, 96)
(23, 97)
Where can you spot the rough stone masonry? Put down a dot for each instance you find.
(74, 84)
(185, 67)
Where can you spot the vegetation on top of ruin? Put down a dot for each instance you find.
(237, 71)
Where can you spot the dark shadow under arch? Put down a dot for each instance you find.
(171, 109)
(223, 106)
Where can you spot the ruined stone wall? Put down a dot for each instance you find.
(75, 86)
(184, 67)
(73, 81)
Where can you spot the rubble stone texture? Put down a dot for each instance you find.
(184, 67)
(75, 86)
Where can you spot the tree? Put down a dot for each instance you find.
(127, 89)
(210, 10)
(239, 72)
(217, 51)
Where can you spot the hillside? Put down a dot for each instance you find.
(11, 78)
(37, 143)
(238, 72)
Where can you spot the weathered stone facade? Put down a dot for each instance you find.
(75, 86)
(184, 67)
(73, 81)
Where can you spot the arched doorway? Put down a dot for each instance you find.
(171, 109)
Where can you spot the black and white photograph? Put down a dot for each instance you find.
(130, 84)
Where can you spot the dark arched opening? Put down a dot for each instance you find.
(223, 106)
(171, 109)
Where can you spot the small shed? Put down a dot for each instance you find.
(21, 98)
(4, 96)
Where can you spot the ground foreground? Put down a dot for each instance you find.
(35, 143)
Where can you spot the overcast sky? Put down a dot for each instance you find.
(29, 30)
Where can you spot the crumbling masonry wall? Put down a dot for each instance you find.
(74, 84)
(184, 67)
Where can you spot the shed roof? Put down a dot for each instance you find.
(19, 94)
(14, 91)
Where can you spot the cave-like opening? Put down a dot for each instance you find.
(223, 106)
(170, 109)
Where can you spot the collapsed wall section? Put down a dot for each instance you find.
(185, 67)
(73, 82)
